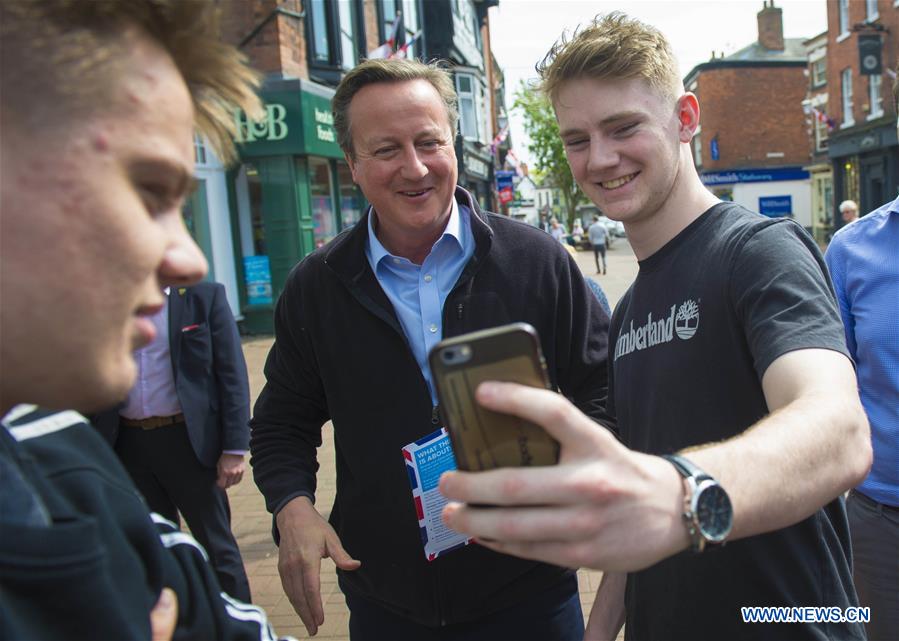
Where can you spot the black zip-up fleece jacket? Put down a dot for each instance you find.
(340, 353)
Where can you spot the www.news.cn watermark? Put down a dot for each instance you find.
(805, 615)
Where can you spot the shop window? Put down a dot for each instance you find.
(846, 85)
(875, 96)
(324, 225)
(254, 195)
(351, 202)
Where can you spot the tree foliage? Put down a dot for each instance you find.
(546, 146)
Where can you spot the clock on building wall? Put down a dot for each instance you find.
(869, 55)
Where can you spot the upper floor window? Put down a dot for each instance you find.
(875, 96)
(697, 149)
(871, 12)
(349, 56)
(468, 106)
(411, 23)
(819, 72)
(469, 19)
(335, 39)
(822, 133)
(846, 86)
(844, 16)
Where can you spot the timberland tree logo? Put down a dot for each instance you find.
(683, 320)
(687, 321)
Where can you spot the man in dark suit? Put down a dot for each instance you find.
(184, 429)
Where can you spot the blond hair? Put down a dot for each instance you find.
(390, 71)
(63, 58)
(611, 46)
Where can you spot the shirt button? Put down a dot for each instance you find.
(428, 278)
(396, 261)
(433, 328)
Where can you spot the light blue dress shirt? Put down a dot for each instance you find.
(863, 259)
(418, 292)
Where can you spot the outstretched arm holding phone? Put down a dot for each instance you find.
(588, 510)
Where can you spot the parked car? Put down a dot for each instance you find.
(614, 229)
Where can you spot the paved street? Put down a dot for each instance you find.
(252, 524)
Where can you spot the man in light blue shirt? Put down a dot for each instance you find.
(418, 292)
(353, 328)
(863, 259)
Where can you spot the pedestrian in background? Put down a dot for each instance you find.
(848, 211)
(598, 234)
(557, 231)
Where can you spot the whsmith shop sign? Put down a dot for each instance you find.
(753, 176)
(297, 122)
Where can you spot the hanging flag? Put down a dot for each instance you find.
(498, 140)
(512, 159)
(386, 50)
(822, 117)
(403, 52)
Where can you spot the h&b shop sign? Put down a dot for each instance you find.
(296, 121)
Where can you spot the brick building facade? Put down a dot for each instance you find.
(863, 145)
(752, 144)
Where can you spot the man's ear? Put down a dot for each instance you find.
(687, 116)
(351, 161)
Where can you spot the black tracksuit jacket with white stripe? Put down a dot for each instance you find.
(81, 557)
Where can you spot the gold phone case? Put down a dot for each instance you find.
(483, 439)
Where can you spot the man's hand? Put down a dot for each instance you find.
(307, 538)
(164, 616)
(603, 506)
(230, 470)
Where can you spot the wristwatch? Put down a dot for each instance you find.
(708, 513)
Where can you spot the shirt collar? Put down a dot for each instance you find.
(453, 229)
(894, 207)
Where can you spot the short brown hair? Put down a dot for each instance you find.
(611, 46)
(61, 59)
(392, 70)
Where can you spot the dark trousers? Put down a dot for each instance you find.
(172, 479)
(551, 615)
(874, 529)
(599, 250)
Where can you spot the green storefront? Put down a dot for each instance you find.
(293, 192)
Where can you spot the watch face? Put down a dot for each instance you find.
(714, 513)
